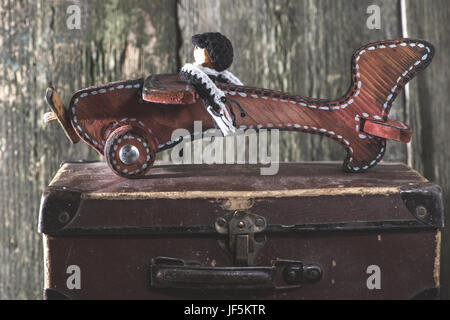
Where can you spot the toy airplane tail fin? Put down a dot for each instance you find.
(381, 69)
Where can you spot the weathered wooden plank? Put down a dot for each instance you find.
(429, 111)
(117, 40)
(302, 47)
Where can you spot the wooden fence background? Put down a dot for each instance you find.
(300, 47)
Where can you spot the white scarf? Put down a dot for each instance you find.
(222, 119)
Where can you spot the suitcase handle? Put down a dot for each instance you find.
(283, 274)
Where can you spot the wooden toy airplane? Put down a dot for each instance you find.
(128, 122)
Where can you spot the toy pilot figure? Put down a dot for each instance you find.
(213, 54)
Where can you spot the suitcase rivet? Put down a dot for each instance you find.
(292, 275)
(314, 274)
(259, 222)
(63, 217)
(421, 211)
(221, 222)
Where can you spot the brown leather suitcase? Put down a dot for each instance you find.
(224, 231)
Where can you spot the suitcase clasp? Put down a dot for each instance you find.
(245, 236)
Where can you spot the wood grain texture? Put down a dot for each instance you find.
(117, 39)
(429, 110)
(301, 47)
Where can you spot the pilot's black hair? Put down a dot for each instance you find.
(218, 47)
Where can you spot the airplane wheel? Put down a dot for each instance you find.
(130, 152)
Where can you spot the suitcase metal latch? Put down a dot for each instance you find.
(245, 236)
